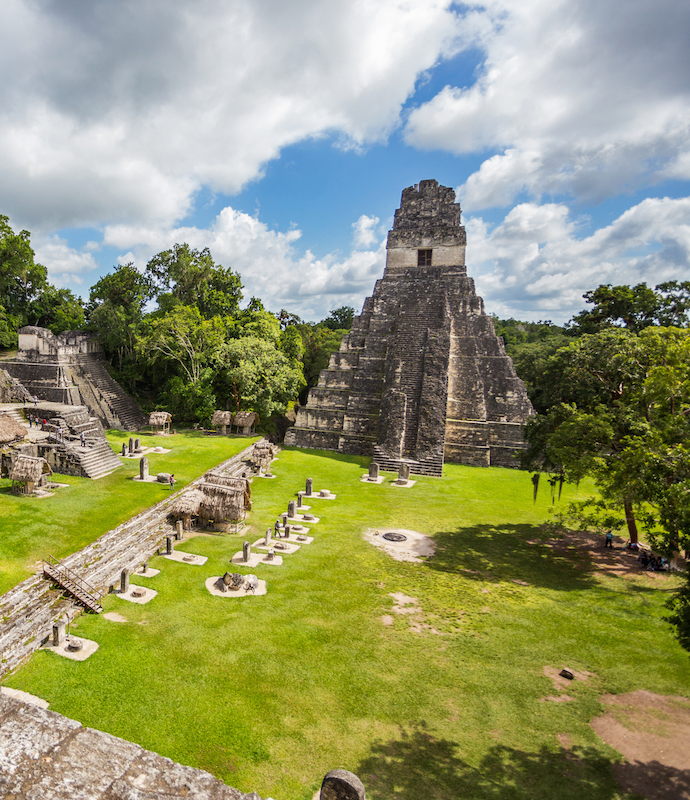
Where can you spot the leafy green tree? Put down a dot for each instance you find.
(21, 279)
(56, 309)
(340, 319)
(184, 339)
(635, 307)
(618, 411)
(679, 618)
(256, 376)
(8, 329)
(191, 277)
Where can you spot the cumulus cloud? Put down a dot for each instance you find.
(364, 231)
(65, 264)
(124, 110)
(536, 264)
(270, 264)
(578, 97)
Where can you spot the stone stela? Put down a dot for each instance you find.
(422, 376)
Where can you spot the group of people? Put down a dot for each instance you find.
(37, 421)
(645, 559)
(653, 563)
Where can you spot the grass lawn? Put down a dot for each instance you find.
(269, 693)
(32, 529)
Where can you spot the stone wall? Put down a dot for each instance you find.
(30, 609)
(45, 755)
(48, 756)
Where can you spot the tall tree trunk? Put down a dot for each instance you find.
(630, 520)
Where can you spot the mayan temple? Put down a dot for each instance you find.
(422, 376)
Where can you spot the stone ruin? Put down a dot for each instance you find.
(422, 376)
(70, 369)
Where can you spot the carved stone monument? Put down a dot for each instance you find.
(246, 552)
(421, 377)
(124, 581)
(143, 468)
(292, 509)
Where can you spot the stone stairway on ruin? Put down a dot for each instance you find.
(72, 583)
(409, 345)
(16, 415)
(97, 459)
(121, 405)
(432, 467)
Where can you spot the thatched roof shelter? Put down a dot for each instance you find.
(210, 501)
(187, 503)
(160, 418)
(10, 429)
(221, 503)
(27, 469)
(245, 420)
(236, 483)
(222, 418)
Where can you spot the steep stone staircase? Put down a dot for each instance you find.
(119, 409)
(81, 590)
(97, 459)
(16, 415)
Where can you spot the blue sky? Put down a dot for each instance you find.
(281, 136)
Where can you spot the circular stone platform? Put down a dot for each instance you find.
(412, 548)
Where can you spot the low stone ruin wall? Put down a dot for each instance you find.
(46, 755)
(29, 610)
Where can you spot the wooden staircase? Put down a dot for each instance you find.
(80, 589)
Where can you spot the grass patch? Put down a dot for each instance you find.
(31, 528)
(269, 693)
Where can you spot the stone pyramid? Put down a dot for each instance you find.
(422, 376)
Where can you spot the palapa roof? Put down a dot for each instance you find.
(187, 503)
(244, 419)
(226, 480)
(159, 417)
(232, 482)
(211, 501)
(10, 429)
(221, 502)
(28, 468)
(222, 418)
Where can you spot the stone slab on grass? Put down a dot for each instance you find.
(150, 572)
(186, 558)
(366, 479)
(148, 595)
(25, 697)
(300, 518)
(255, 559)
(403, 484)
(88, 649)
(213, 586)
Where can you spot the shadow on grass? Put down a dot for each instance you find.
(509, 552)
(420, 766)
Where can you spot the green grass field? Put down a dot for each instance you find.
(33, 528)
(269, 693)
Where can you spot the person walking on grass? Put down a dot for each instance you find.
(172, 482)
(609, 540)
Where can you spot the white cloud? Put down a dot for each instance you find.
(365, 231)
(268, 261)
(578, 96)
(121, 111)
(533, 265)
(65, 264)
